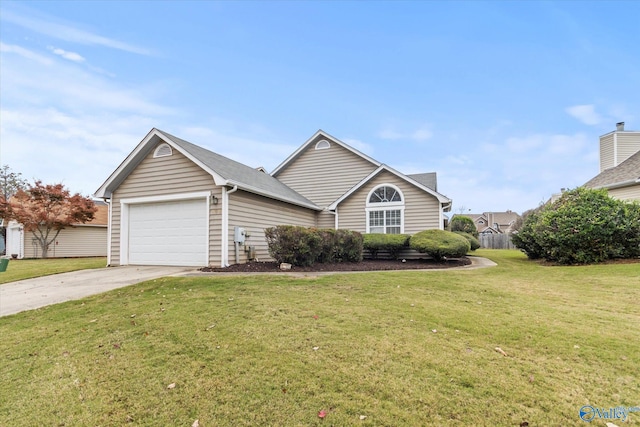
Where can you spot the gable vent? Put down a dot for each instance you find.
(322, 145)
(163, 150)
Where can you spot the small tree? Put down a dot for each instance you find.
(463, 224)
(10, 183)
(45, 210)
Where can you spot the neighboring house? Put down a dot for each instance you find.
(619, 164)
(77, 240)
(494, 222)
(175, 203)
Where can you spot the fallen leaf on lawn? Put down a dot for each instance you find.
(435, 331)
(116, 346)
(501, 351)
(524, 424)
(213, 325)
(171, 386)
(531, 378)
(576, 346)
(94, 320)
(322, 414)
(363, 417)
(611, 425)
(133, 315)
(315, 348)
(196, 423)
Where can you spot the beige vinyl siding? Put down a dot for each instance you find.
(626, 193)
(606, 152)
(175, 174)
(628, 144)
(322, 176)
(73, 241)
(421, 211)
(326, 220)
(255, 213)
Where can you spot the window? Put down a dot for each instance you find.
(163, 150)
(322, 145)
(385, 210)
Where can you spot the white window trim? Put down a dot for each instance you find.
(124, 217)
(323, 145)
(157, 153)
(385, 206)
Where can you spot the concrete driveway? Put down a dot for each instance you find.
(35, 293)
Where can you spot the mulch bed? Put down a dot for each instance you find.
(365, 265)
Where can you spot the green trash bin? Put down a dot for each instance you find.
(4, 262)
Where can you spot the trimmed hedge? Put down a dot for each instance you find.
(440, 244)
(393, 243)
(475, 243)
(301, 246)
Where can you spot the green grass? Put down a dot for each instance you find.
(20, 269)
(240, 350)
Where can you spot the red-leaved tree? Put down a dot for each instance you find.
(44, 210)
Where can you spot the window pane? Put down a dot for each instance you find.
(393, 230)
(393, 218)
(376, 219)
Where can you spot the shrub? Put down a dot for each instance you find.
(393, 243)
(584, 226)
(348, 246)
(339, 245)
(293, 244)
(302, 246)
(463, 224)
(440, 244)
(473, 242)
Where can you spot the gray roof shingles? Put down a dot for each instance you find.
(246, 177)
(627, 172)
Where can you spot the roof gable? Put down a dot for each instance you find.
(445, 201)
(314, 139)
(224, 171)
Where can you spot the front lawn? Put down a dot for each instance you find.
(367, 349)
(21, 269)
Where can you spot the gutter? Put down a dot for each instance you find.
(224, 259)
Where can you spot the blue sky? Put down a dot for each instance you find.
(504, 100)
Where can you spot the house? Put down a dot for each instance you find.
(619, 164)
(174, 203)
(78, 240)
(494, 222)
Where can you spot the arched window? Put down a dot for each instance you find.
(385, 210)
(323, 145)
(163, 150)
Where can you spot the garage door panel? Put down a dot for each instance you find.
(169, 233)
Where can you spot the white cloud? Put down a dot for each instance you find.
(359, 145)
(421, 134)
(71, 56)
(585, 113)
(68, 32)
(25, 53)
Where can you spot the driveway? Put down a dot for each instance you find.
(35, 293)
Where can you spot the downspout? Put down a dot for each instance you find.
(225, 225)
(335, 216)
(108, 202)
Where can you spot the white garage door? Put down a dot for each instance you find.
(168, 233)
